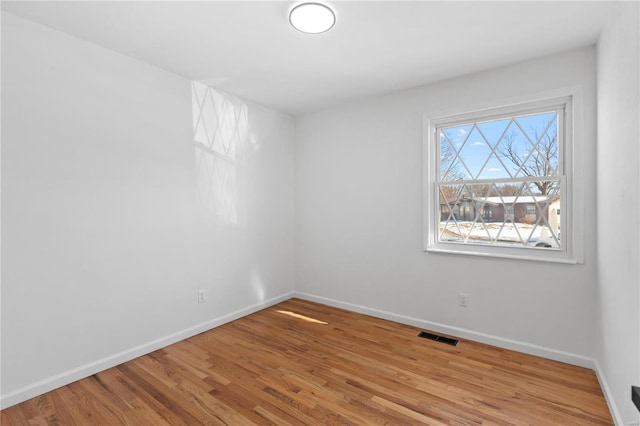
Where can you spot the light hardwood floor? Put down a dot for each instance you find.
(303, 363)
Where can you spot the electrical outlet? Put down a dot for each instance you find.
(200, 296)
(463, 299)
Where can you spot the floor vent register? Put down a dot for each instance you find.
(435, 337)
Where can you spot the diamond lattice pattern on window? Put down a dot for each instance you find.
(509, 148)
(500, 183)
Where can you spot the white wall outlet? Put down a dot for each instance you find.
(200, 296)
(463, 299)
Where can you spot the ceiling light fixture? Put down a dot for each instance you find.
(312, 18)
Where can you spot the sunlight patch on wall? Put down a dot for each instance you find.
(220, 125)
(258, 286)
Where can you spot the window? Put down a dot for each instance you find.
(496, 180)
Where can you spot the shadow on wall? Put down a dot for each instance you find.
(220, 125)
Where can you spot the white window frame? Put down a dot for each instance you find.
(571, 158)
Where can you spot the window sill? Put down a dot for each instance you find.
(532, 255)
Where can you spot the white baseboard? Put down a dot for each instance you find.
(87, 370)
(501, 342)
(608, 396)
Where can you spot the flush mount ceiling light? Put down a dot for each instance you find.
(312, 18)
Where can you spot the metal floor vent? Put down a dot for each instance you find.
(437, 338)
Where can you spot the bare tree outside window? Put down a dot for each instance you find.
(542, 159)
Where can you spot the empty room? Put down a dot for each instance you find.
(344, 212)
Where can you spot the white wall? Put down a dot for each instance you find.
(105, 242)
(359, 220)
(618, 327)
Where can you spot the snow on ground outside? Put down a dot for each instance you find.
(503, 232)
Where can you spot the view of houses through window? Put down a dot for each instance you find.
(500, 181)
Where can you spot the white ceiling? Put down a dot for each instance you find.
(249, 49)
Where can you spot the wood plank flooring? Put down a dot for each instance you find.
(301, 363)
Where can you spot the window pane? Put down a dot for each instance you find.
(514, 214)
(514, 147)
